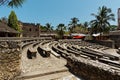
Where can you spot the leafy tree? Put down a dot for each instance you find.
(85, 26)
(61, 30)
(102, 18)
(81, 28)
(43, 28)
(12, 3)
(13, 21)
(73, 24)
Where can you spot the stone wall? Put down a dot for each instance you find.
(9, 60)
(115, 36)
(108, 43)
(116, 39)
(30, 30)
(92, 70)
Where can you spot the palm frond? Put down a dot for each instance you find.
(15, 3)
(101, 21)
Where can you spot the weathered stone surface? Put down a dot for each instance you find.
(92, 70)
(9, 60)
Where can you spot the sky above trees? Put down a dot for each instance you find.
(59, 11)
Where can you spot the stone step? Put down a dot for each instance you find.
(36, 74)
(56, 76)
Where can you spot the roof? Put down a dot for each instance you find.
(77, 34)
(5, 28)
(98, 34)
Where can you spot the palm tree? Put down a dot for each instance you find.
(73, 23)
(49, 27)
(12, 3)
(101, 22)
(61, 30)
(85, 26)
(81, 28)
(113, 27)
(43, 28)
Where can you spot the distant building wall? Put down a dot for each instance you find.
(119, 18)
(30, 30)
(34, 30)
(115, 35)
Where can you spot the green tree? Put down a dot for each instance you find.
(81, 28)
(101, 22)
(61, 30)
(86, 24)
(49, 27)
(113, 27)
(13, 21)
(73, 24)
(12, 3)
(43, 28)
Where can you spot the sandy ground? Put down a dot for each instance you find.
(42, 65)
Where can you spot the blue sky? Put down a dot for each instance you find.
(59, 11)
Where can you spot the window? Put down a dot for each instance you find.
(30, 29)
(36, 29)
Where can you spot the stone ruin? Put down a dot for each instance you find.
(92, 70)
(10, 56)
(9, 60)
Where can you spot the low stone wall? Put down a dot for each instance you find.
(9, 60)
(92, 70)
(107, 43)
(115, 36)
(116, 39)
(117, 44)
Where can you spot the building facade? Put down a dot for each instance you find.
(30, 30)
(115, 35)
